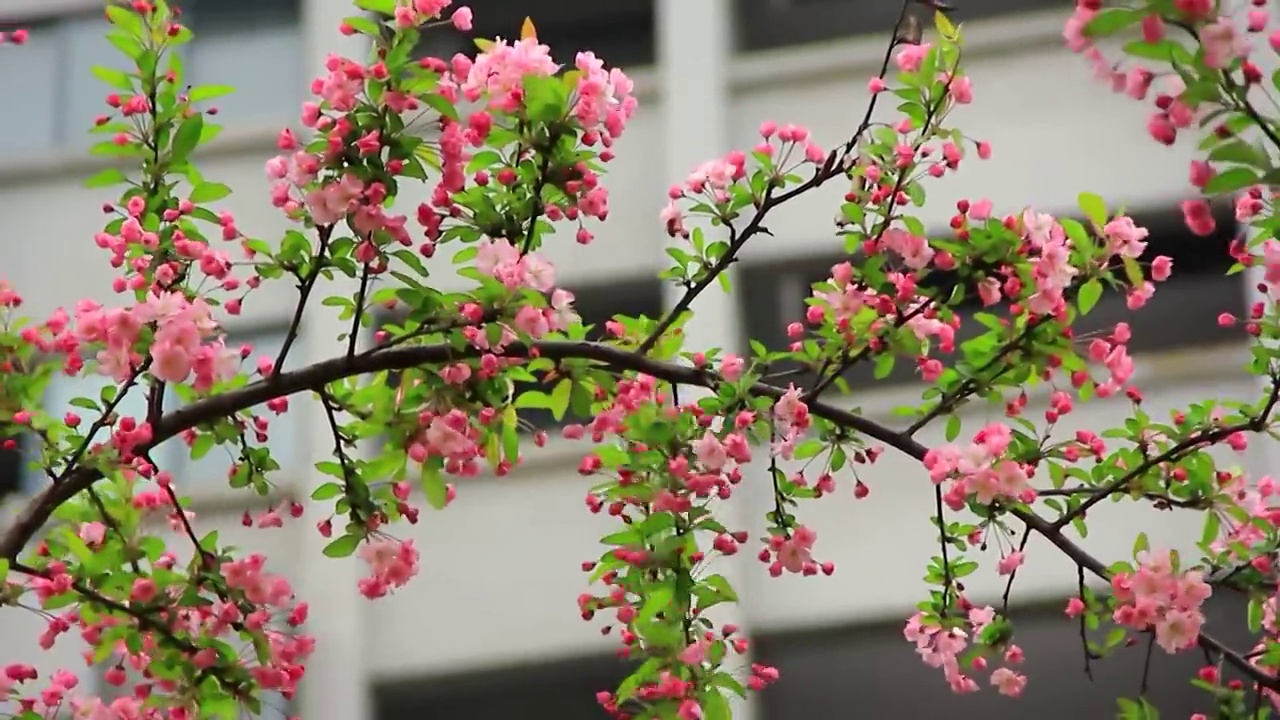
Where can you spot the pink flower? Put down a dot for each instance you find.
(170, 362)
(1010, 562)
(462, 19)
(1222, 43)
(731, 367)
(1178, 630)
(1008, 682)
(710, 452)
(93, 533)
(796, 552)
(1074, 607)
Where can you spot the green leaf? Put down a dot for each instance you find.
(533, 400)
(126, 20)
(1238, 151)
(714, 705)
(658, 600)
(386, 7)
(510, 435)
(327, 491)
(106, 178)
(343, 546)
(209, 192)
(364, 25)
(433, 485)
(1090, 294)
(1255, 614)
(953, 427)
(1141, 544)
(1211, 527)
(441, 105)
(187, 137)
(4, 569)
(1164, 50)
(208, 92)
(560, 398)
(1111, 21)
(721, 587)
(1094, 208)
(118, 79)
(546, 98)
(1230, 181)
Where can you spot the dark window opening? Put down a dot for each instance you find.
(536, 690)
(620, 32)
(13, 462)
(597, 305)
(875, 673)
(768, 24)
(1182, 313)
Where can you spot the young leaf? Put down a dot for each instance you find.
(1090, 293)
(433, 485)
(106, 178)
(209, 192)
(560, 398)
(343, 546)
(187, 137)
(1094, 208)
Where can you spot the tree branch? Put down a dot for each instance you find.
(832, 167)
(317, 376)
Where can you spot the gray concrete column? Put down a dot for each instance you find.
(337, 683)
(694, 52)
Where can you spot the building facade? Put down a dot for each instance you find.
(489, 629)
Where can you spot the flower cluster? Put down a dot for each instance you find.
(940, 646)
(1159, 596)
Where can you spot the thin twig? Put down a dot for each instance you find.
(831, 168)
(307, 284)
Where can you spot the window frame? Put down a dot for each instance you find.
(774, 24)
(563, 26)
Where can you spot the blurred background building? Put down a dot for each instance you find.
(490, 630)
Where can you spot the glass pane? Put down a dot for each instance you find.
(282, 430)
(255, 47)
(29, 78)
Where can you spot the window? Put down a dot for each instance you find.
(1182, 313)
(29, 78)
(598, 304)
(14, 471)
(621, 32)
(767, 24)
(254, 46)
(82, 96)
(284, 432)
(872, 673)
(539, 690)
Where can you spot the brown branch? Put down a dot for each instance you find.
(1258, 423)
(317, 376)
(307, 284)
(146, 621)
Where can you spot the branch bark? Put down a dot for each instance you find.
(315, 377)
